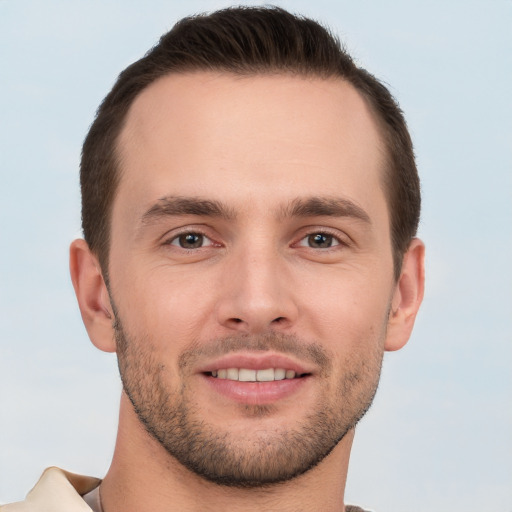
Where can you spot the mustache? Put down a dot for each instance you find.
(265, 342)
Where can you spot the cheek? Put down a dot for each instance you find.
(348, 313)
(164, 305)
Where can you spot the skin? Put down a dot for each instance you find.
(257, 146)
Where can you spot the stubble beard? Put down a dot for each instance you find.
(263, 457)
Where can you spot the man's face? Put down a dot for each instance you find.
(250, 241)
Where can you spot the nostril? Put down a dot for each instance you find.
(278, 319)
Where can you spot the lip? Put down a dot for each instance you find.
(256, 393)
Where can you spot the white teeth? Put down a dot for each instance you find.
(265, 375)
(279, 374)
(247, 375)
(232, 374)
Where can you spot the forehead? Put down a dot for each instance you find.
(270, 138)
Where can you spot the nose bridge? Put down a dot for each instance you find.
(260, 269)
(258, 294)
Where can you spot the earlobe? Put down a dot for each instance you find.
(407, 296)
(92, 295)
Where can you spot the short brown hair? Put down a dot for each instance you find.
(245, 41)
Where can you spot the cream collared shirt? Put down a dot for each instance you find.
(56, 491)
(61, 491)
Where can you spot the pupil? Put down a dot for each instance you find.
(320, 240)
(191, 241)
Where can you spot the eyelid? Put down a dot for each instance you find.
(341, 238)
(174, 241)
(303, 241)
(172, 236)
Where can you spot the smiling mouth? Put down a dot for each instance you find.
(249, 375)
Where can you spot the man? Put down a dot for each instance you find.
(250, 203)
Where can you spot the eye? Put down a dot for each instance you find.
(191, 241)
(319, 241)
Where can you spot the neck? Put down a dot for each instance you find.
(144, 477)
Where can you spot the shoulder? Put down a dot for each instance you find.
(56, 491)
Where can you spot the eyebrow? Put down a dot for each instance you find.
(300, 207)
(178, 205)
(324, 206)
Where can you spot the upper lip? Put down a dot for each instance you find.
(256, 361)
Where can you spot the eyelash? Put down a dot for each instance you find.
(336, 240)
(175, 240)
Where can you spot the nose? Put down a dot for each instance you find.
(257, 294)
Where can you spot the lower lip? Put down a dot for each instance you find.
(256, 393)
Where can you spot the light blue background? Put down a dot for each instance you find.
(439, 437)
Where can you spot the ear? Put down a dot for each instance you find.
(92, 295)
(407, 296)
